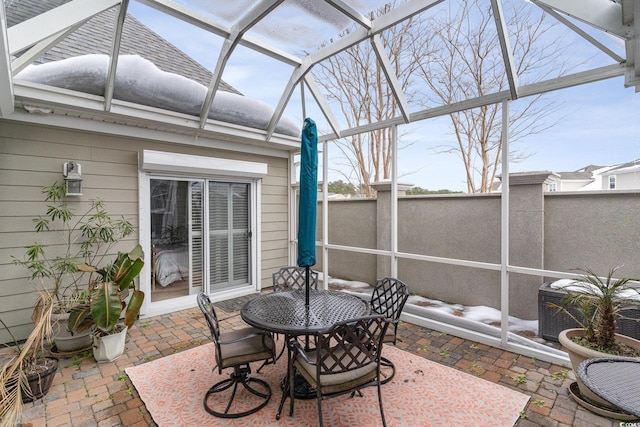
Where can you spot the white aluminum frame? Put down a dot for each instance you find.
(92, 112)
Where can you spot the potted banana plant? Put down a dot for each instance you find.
(108, 291)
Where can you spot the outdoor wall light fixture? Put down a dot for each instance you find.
(73, 178)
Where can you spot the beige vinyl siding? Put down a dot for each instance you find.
(626, 181)
(31, 156)
(274, 220)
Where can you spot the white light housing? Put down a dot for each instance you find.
(73, 178)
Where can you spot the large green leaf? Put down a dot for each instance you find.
(106, 307)
(79, 318)
(128, 267)
(133, 309)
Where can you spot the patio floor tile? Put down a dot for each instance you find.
(88, 394)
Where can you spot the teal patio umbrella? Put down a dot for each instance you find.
(308, 200)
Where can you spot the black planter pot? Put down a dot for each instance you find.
(40, 382)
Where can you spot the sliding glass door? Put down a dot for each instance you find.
(200, 236)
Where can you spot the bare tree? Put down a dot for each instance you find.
(461, 59)
(442, 58)
(355, 79)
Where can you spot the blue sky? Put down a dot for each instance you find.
(598, 123)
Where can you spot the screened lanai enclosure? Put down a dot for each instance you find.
(186, 116)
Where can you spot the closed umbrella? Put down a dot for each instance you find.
(308, 200)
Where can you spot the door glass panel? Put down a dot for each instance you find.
(176, 238)
(241, 233)
(197, 246)
(218, 235)
(228, 235)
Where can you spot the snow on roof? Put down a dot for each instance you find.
(139, 80)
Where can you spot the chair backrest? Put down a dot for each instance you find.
(351, 344)
(388, 297)
(293, 278)
(212, 321)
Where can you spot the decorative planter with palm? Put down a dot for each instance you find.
(106, 303)
(598, 302)
(88, 238)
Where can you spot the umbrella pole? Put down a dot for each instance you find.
(306, 278)
(306, 298)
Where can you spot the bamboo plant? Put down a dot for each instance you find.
(87, 237)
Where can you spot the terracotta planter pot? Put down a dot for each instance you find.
(578, 354)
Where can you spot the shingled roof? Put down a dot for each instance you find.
(96, 35)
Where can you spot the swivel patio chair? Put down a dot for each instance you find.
(388, 298)
(346, 359)
(237, 349)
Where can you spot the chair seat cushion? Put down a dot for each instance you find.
(338, 382)
(240, 347)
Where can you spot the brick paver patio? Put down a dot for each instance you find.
(85, 393)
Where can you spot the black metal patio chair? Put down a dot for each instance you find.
(346, 359)
(388, 298)
(291, 278)
(237, 349)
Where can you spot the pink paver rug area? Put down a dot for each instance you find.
(423, 393)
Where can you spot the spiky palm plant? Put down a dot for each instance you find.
(14, 383)
(599, 302)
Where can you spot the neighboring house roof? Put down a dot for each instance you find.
(583, 174)
(590, 168)
(628, 167)
(96, 36)
(591, 177)
(578, 176)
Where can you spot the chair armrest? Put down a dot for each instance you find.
(298, 348)
(229, 317)
(263, 334)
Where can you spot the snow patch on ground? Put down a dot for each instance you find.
(482, 319)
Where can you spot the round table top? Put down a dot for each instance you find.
(615, 380)
(286, 313)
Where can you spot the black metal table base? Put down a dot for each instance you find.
(301, 388)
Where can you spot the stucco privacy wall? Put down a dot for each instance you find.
(593, 229)
(350, 221)
(553, 231)
(32, 156)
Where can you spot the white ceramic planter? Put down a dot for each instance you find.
(109, 347)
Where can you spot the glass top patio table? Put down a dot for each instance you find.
(286, 313)
(615, 380)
